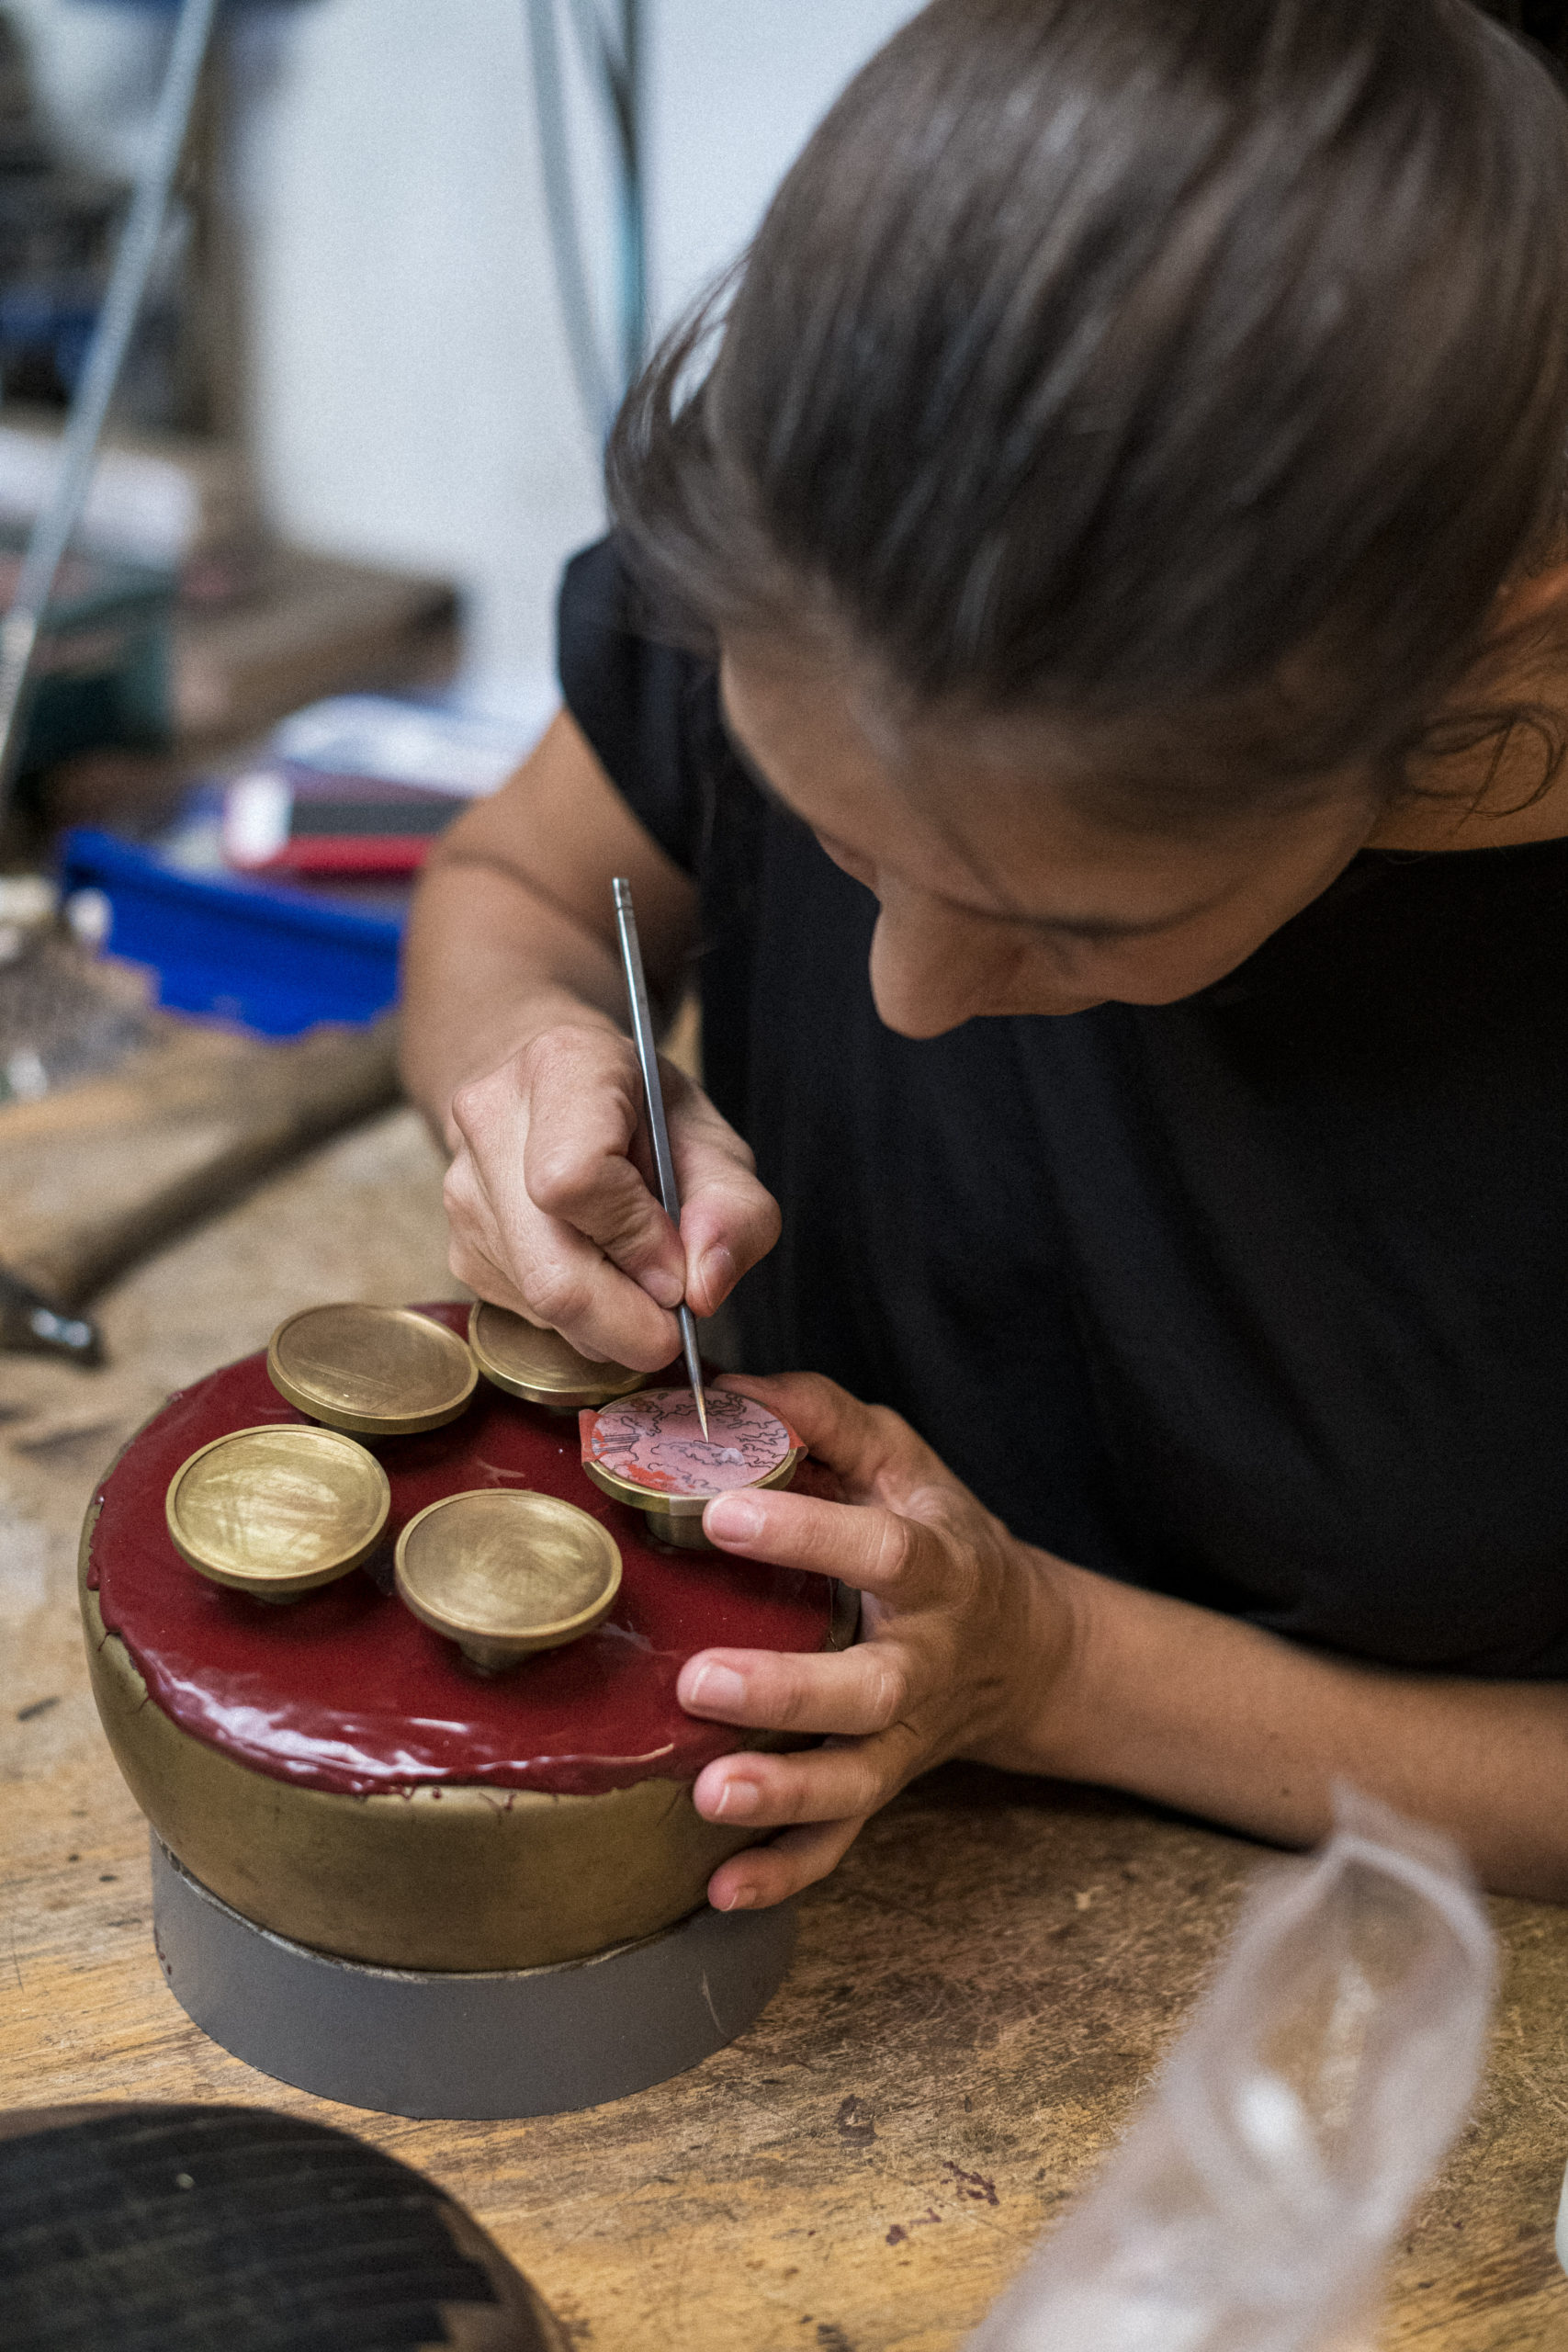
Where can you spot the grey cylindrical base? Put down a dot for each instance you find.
(461, 2047)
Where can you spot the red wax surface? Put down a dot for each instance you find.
(346, 1690)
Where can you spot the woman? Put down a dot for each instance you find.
(1111, 793)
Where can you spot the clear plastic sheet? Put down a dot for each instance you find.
(1253, 2199)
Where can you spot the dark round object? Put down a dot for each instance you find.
(231, 2229)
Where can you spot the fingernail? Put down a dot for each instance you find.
(714, 1686)
(664, 1288)
(732, 1519)
(739, 1800)
(716, 1272)
(742, 1898)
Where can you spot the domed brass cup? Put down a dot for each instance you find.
(505, 1572)
(371, 1371)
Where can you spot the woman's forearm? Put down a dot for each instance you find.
(512, 931)
(1218, 1718)
(486, 966)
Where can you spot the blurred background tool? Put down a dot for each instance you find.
(56, 238)
(609, 38)
(97, 1175)
(106, 355)
(363, 784)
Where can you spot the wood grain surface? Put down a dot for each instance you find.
(980, 1992)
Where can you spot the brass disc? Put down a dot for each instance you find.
(540, 1365)
(687, 1508)
(277, 1510)
(502, 1571)
(374, 1371)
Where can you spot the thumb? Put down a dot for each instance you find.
(876, 1453)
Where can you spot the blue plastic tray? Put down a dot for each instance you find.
(255, 952)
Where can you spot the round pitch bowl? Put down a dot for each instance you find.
(277, 1512)
(505, 1573)
(648, 1453)
(539, 1365)
(372, 1371)
(336, 1772)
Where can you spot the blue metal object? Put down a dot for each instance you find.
(270, 958)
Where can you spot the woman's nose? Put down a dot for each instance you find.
(932, 971)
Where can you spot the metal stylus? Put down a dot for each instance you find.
(647, 1061)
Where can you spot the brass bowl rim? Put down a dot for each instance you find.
(565, 1400)
(350, 1424)
(307, 1579)
(645, 1499)
(556, 1633)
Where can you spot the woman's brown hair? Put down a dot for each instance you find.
(1201, 361)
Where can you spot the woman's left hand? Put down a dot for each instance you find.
(966, 1633)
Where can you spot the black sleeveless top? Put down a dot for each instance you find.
(1260, 1299)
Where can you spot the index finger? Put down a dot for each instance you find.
(578, 1167)
(873, 1550)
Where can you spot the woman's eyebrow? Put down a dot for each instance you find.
(1087, 927)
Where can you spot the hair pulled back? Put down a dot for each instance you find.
(1129, 357)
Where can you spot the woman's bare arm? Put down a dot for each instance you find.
(977, 1644)
(515, 1046)
(512, 926)
(1220, 1718)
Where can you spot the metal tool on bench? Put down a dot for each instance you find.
(253, 1107)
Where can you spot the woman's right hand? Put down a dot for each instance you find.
(551, 1200)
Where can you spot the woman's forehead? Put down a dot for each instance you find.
(844, 746)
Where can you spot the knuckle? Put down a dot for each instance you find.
(808, 1801)
(747, 1220)
(819, 1395)
(560, 1179)
(464, 1261)
(553, 1292)
(869, 1785)
(893, 1440)
(889, 1694)
(464, 1266)
(791, 1702)
(548, 1046)
(631, 1237)
(469, 1107)
(763, 1223)
(896, 1545)
(566, 1055)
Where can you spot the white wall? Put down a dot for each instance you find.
(412, 396)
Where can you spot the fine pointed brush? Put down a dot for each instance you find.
(647, 1061)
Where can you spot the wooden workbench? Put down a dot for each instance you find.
(980, 1991)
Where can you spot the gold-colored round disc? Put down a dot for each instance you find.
(655, 1505)
(540, 1365)
(277, 1510)
(502, 1571)
(373, 1371)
